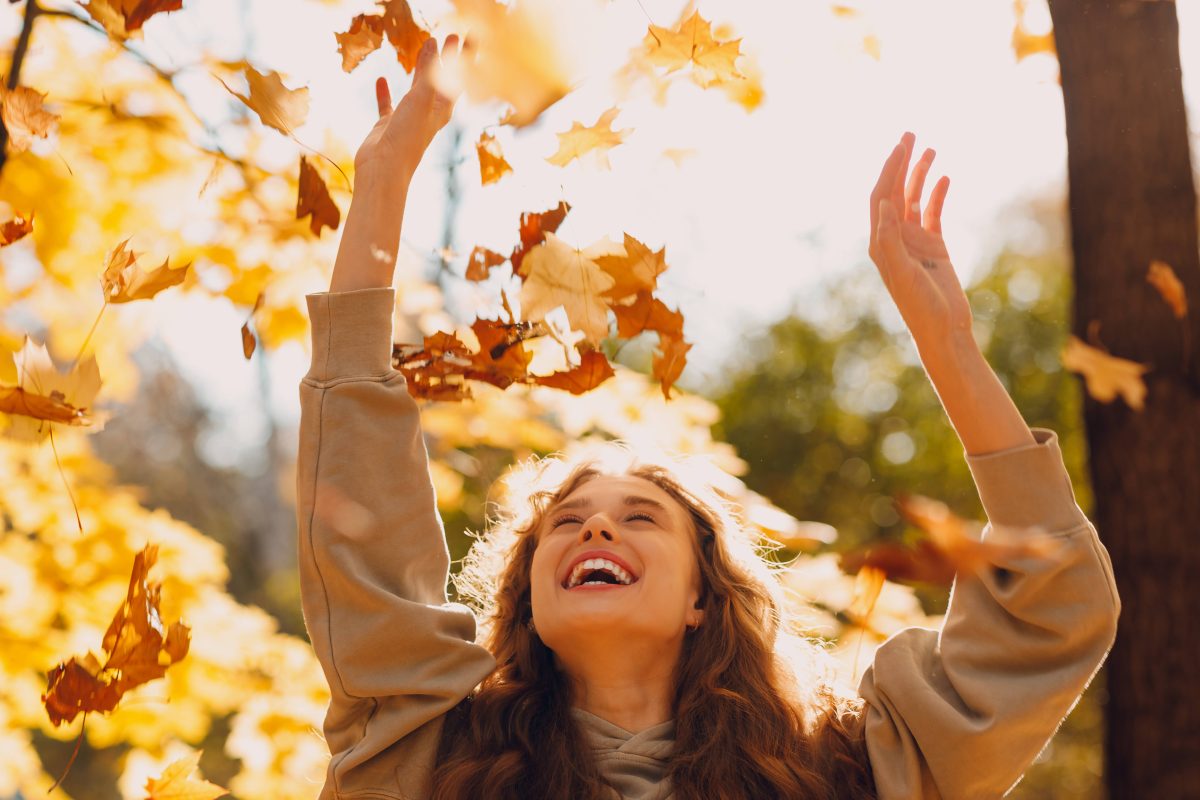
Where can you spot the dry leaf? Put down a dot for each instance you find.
(277, 106)
(123, 281)
(364, 37)
(492, 165)
(593, 370)
(868, 583)
(25, 116)
(557, 274)
(46, 394)
(480, 263)
(692, 43)
(1164, 279)
(598, 139)
(314, 199)
(647, 313)
(125, 18)
(669, 360)
(16, 228)
(177, 783)
(1105, 375)
(533, 229)
(635, 270)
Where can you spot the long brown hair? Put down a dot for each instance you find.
(757, 714)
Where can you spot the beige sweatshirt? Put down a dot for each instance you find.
(955, 713)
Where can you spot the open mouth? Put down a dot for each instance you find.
(594, 572)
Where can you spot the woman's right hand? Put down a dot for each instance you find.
(400, 137)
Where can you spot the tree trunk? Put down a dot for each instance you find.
(1133, 200)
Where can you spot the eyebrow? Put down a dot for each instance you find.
(629, 500)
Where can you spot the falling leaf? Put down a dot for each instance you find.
(25, 116)
(634, 270)
(139, 650)
(1024, 43)
(597, 139)
(125, 18)
(15, 228)
(647, 313)
(47, 394)
(492, 165)
(404, 35)
(557, 274)
(669, 360)
(123, 281)
(868, 583)
(1164, 279)
(692, 43)
(533, 229)
(364, 37)
(480, 263)
(277, 106)
(177, 783)
(314, 199)
(593, 370)
(502, 352)
(1105, 375)
(15, 400)
(678, 154)
(248, 342)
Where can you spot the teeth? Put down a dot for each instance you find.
(591, 564)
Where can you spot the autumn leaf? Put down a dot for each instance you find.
(177, 783)
(1026, 44)
(25, 116)
(592, 371)
(46, 394)
(678, 154)
(634, 270)
(1164, 279)
(1106, 376)
(480, 263)
(597, 139)
(692, 43)
(533, 228)
(502, 355)
(403, 34)
(16, 228)
(492, 165)
(669, 360)
(647, 313)
(557, 274)
(277, 106)
(123, 281)
(314, 199)
(364, 37)
(125, 18)
(15, 400)
(139, 650)
(868, 583)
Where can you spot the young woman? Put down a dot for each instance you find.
(635, 644)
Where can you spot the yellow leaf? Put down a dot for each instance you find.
(1106, 376)
(560, 275)
(599, 138)
(492, 164)
(692, 43)
(176, 782)
(1164, 279)
(25, 116)
(277, 106)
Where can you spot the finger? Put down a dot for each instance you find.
(884, 183)
(897, 191)
(427, 52)
(450, 46)
(890, 243)
(916, 186)
(383, 96)
(933, 211)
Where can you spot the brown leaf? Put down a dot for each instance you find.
(1106, 376)
(248, 341)
(123, 281)
(277, 106)
(15, 400)
(25, 116)
(492, 164)
(364, 37)
(635, 271)
(15, 228)
(669, 361)
(868, 583)
(647, 313)
(402, 32)
(533, 230)
(593, 370)
(481, 261)
(502, 355)
(1164, 279)
(314, 199)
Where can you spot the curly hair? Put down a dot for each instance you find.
(757, 713)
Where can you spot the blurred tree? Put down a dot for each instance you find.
(835, 415)
(1133, 200)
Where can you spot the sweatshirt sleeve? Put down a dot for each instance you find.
(373, 558)
(961, 713)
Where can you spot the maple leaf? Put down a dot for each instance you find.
(25, 116)
(502, 357)
(364, 37)
(139, 650)
(480, 263)
(277, 106)
(635, 270)
(15, 400)
(314, 199)
(592, 371)
(580, 140)
(517, 59)
(402, 32)
(16, 228)
(557, 274)
(125, 18)
(669, 360)
(533, 228)
(123, 281)
(492, 165)
(46, 394)
(177, 783)
(647, 313)
(1164, 279)
(1105, 375)
(692, 43)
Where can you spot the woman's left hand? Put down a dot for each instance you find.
(908, 249)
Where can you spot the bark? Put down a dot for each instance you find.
(1133, 200)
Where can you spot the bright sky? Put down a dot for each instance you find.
(775, 202)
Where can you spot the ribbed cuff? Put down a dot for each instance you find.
(1027, 485)
(351, 333)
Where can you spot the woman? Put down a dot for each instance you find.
(635, 645)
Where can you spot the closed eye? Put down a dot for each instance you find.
(565, 518)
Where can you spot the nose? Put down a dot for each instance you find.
(599, 526)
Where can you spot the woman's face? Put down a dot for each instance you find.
(616, 556)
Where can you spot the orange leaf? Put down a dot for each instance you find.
(1164, 279)
(15, 400)
(492, 165)
(635, 271)
(1106, 376)
(123, 281)
(647, 313)
(591, 372)
(502, 353)
(868, 583)
(15, 228)
(579, 141)
(480, 263)
(25, 116)
(176, 782)
(314, 199)
(248, 341)
(669, 361)
(402, 32)
(533, 230)
(364, 37)
(123, 18)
